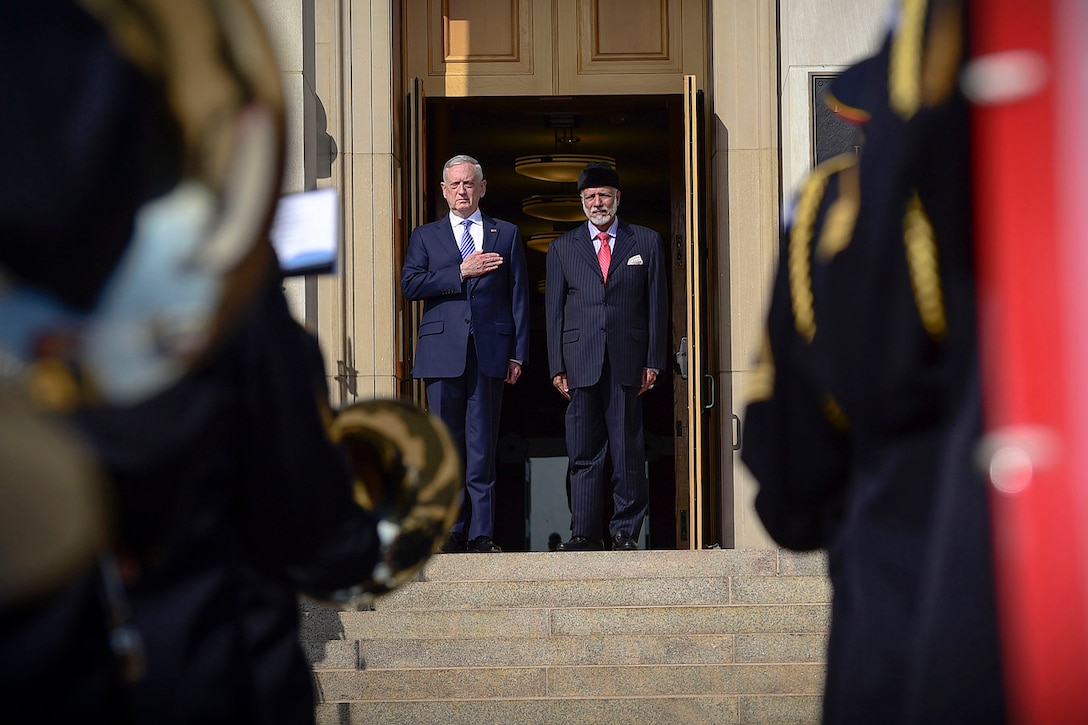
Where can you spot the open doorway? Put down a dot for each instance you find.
(644, 135)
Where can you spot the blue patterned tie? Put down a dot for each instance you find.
(467, 245)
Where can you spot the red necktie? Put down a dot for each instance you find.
(604, 254)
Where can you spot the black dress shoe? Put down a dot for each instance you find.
(483, 545)
(454, 543)
(581, 543)
(623, 542)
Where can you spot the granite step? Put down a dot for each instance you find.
(586, 592)
(629, 681)
(580, 621)
(685, 710)
(717, 636)
(614, 650)
(653, 564)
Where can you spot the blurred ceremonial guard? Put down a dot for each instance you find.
(142, 298)
(866, 413)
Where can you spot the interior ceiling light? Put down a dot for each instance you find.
(557, 167)
(540, 242)
(556, 208)
(562, 164)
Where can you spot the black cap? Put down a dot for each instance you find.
(598, 174)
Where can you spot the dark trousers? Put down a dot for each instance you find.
(604, 418)
(470, 407)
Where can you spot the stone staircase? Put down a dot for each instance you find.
(715, 636)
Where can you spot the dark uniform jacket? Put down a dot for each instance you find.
(862, 427)
(231, 500)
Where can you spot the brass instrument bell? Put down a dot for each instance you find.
(407, 472)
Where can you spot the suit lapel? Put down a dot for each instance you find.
(490, 233)
(489, 240)
(625, 241)
(583, 246)
(448, 242)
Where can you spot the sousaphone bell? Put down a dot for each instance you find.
(407, 473)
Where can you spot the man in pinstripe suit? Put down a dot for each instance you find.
(607, 308)
(469, 270)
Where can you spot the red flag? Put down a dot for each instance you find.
(1027, 77)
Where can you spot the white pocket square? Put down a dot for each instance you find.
(637, 259)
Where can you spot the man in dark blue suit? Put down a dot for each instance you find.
(469, 270)
(607, 308)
